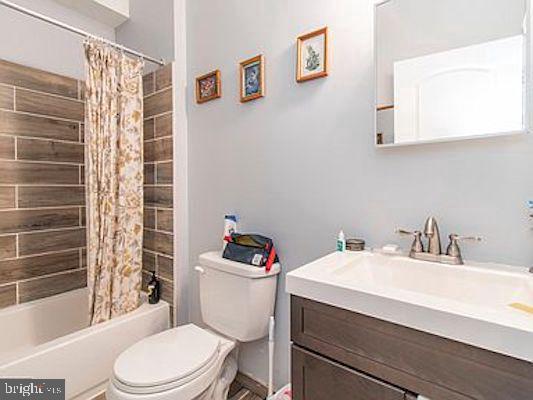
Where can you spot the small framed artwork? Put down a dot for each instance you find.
(208, 87)
(252, 78)
(312, 60)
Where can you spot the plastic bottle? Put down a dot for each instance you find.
(230, 227)
(341, 241)
(154, 290)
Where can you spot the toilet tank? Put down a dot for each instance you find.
(236, 299)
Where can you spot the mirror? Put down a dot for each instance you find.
(450, 70)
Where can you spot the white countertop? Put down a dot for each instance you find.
(468, 303)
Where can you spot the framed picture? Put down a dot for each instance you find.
(312, 60)
(252, 78)
(208, 87)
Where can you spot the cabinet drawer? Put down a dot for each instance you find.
(317, 378)
(433, 366)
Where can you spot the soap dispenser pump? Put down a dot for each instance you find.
(154, 289)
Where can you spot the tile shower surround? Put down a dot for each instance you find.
(42, 195)
(158, 251)
(42, 191)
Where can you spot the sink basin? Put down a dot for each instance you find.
(466, 284)
(470, 303)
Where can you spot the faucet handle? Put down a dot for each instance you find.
(454, 236)
(417, 246)
(401, 231)
(453, 248)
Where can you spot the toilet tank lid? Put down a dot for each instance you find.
(214, 259)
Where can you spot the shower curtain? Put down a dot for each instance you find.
(114, 180)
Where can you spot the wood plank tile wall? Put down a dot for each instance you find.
(42, 196)
(158, 248)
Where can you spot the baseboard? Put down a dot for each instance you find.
(252, 385)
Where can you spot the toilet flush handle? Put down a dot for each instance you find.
(200, 270)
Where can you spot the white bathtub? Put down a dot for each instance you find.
(50, 338)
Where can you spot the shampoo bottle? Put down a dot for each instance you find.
(154, 290)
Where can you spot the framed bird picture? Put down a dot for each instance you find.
(312, 60)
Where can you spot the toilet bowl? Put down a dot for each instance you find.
(179, 364)
(194, 363)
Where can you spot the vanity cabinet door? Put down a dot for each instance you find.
(419, 362)
(317, 378)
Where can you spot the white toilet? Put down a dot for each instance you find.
(190, 362)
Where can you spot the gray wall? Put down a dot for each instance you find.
(40, 45)
(150, 29)
(300, 164)
(34, 43)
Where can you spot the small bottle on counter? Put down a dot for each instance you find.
(154, 290)
(341, 241)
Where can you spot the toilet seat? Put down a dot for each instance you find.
(175, 358)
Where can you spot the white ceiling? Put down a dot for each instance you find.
(110, 12)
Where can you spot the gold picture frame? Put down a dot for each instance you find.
(252, 78)
(208, 87)
(316, 58)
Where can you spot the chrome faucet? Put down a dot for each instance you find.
(434, 252)
(431, 231)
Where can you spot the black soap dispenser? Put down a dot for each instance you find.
(154, 289)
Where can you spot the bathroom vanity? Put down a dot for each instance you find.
(374, 327)
(368, 326)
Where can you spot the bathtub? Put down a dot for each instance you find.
(50, 338)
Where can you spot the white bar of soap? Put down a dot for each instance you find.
(391, 249)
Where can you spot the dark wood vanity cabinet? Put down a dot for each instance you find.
(318, 378)
(338, 354)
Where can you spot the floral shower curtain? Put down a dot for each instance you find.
(114, 179)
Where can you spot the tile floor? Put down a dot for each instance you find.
(245, 394)
(237, 391)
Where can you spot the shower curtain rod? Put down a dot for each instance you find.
(73, 29)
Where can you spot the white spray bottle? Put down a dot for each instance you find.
(230, 227)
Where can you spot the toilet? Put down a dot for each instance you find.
(195, 363)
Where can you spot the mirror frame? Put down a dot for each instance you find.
(528, 87)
